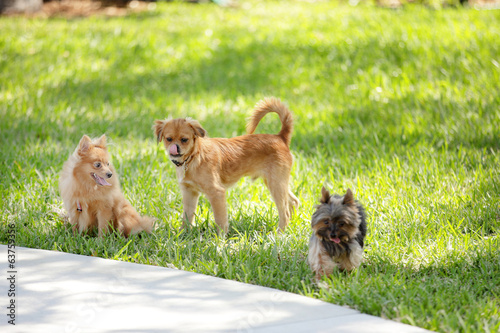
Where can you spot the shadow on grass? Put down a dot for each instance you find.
(438, 294)
(254, 70)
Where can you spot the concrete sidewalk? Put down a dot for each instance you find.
(61, 292)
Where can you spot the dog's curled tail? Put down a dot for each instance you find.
(272, 104)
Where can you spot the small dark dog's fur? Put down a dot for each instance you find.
(339, 230)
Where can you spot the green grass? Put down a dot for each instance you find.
(401, 106)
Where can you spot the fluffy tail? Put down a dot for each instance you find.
(130, 222)
(144, 223)
(272, 104)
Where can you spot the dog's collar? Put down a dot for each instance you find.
(184, 163)
(178, 163)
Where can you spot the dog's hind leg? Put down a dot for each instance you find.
(279, 191)
(293, 202)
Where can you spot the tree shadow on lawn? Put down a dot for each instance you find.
(463, 287)
(394, 127)
(123, 102)
(254, 69)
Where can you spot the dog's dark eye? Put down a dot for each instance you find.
(169, 139)
(97, 164)
(342, 224)
(108, 163)
(184, 140)
(325, 221)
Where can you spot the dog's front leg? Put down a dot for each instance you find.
(83, 221)
(217, 198)
(189, 201)
(73, 218)
(103, 218)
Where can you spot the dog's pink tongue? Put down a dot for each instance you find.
(103, 181)
(336, 240)
(173, 150)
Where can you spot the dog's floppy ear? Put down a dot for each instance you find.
(195, 125)
(85, 143)
(101, 142)
(325, 195)
(158, 129)
(348, 198)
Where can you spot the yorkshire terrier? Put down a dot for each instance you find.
(339, 230)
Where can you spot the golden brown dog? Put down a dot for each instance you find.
(212, 165)
(91, 192)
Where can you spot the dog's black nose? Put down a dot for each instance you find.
(109, 174)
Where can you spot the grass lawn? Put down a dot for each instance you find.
(401, 106)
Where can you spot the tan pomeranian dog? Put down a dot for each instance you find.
(212, 165)
(91, 193)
